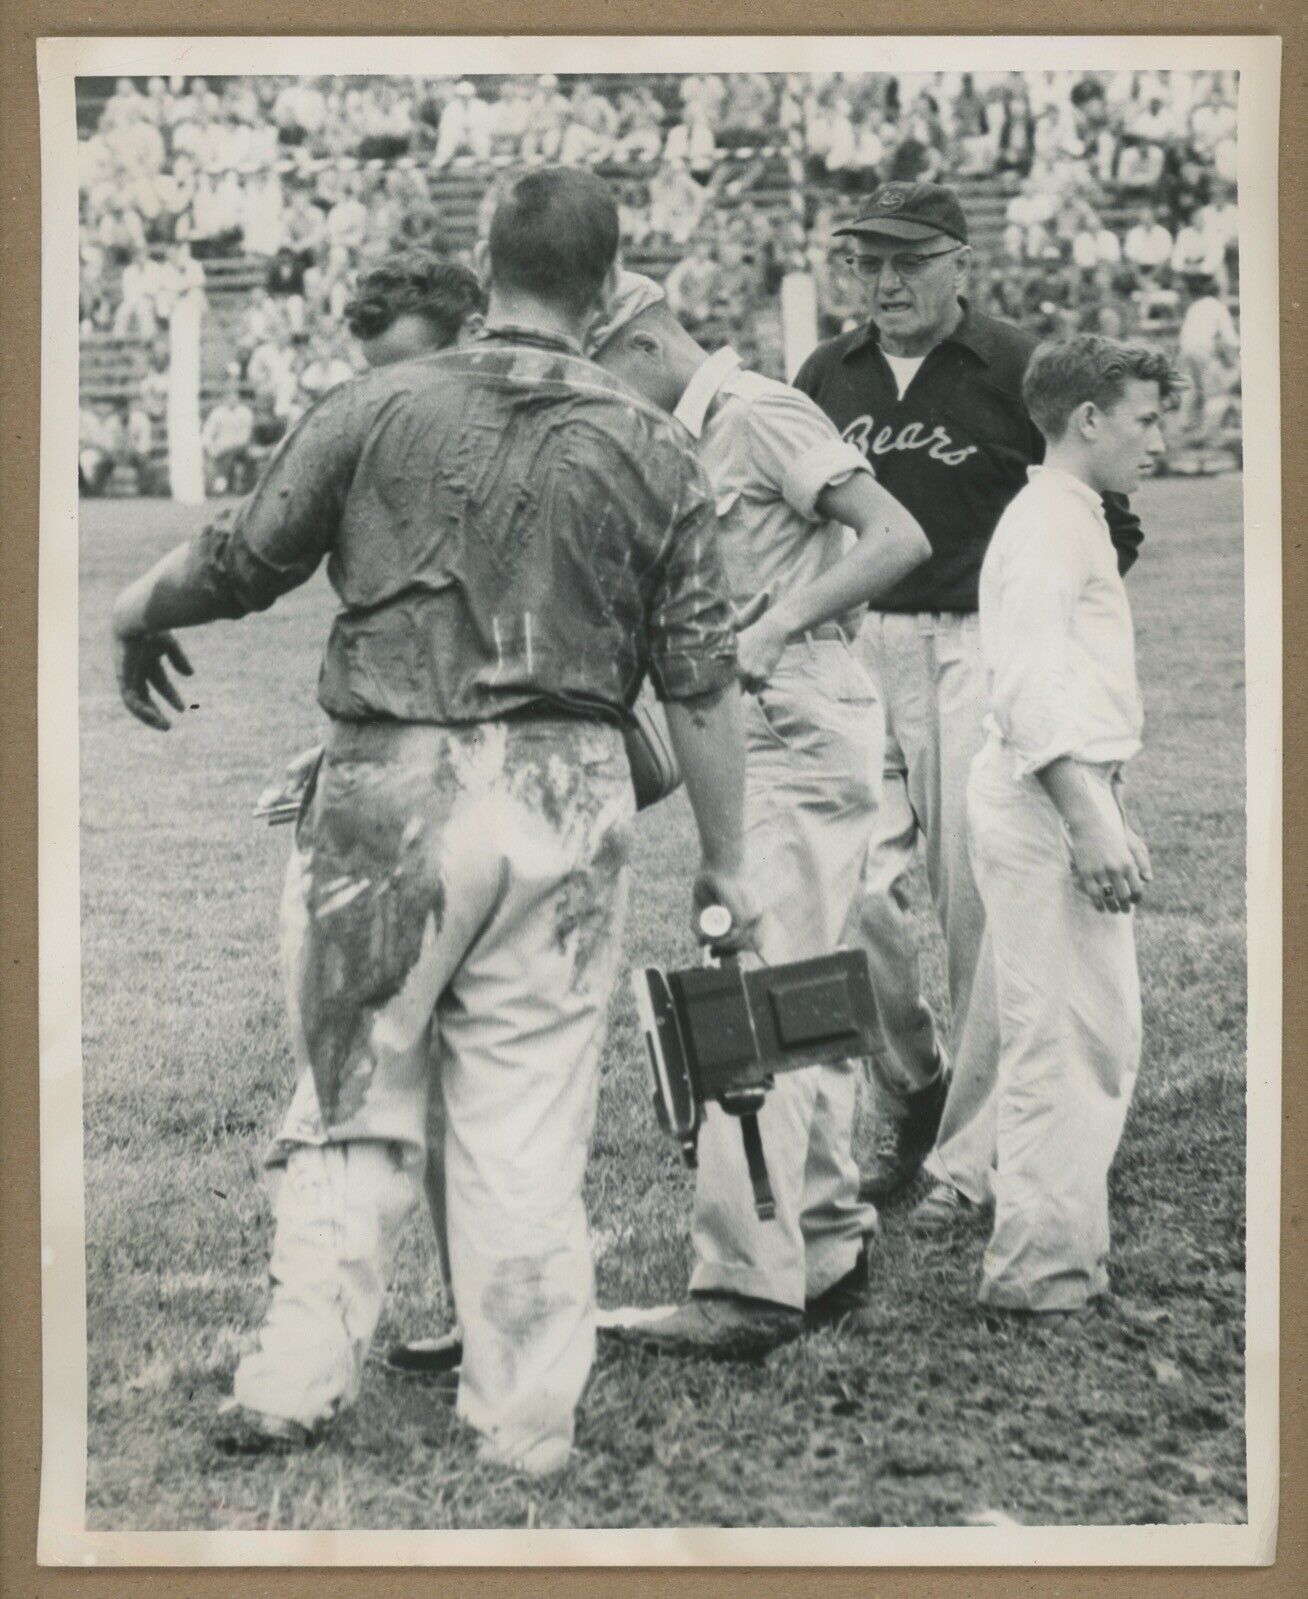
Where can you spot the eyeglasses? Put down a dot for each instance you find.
(909, 265)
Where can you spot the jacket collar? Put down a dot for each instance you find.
(973, 333)
(709, 376)
(519, 333)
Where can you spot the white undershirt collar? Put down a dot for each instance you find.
(709, 376)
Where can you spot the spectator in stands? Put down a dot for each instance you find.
(119, 231)
(299, 112)
(137, 450)
(265, 321)
(675, 203)
(347, 221)
(547, 116)
(1016, 136)
(841, 297)
(1219, 223)
(411, 304)
(99, 438)
(914, 160)
(1027, 234)
(976, 153)
(226, 436)
(329, 286)
(1213, 121)
(141, 281)
(1094, 244)
(1197, 253)
(1148, 245)
(691, 286)
(707, 94)
(1139, 165)
(304, 227)
(465, 127)
(263, 230)
(175, 189)
(640, 125)
(591, 129)
(267, 430)
(633, 214)
(750, 104)
(286, 282)
(691, 143)
(1208, 350)
(155, 385)
(386, 123)
(326, 367)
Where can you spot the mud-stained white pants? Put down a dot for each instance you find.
(812, 762)
(452, 922)
(1069, 1023)
(928, 673)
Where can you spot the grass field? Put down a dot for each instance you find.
(925, 1417)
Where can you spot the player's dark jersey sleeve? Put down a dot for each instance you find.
(276, 538)
(690, 637)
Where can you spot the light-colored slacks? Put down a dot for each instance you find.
(451, 924)
(812, 761)
(928, 674)
(1069, 1022)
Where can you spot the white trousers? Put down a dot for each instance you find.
(1069, 1024)
(452, 922)
(928, 674)
(812, 761)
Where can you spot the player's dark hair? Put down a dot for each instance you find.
(555, 236)
(1064, 374)
(416, 281)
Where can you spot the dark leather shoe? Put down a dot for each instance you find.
(846, 1297)
(438, 1358)
(903, 1142)
(716, 1327)
(242, 1431)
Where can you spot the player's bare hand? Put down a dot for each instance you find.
(758, 649)
(733, 893)
(141, 662)
(1104, 866)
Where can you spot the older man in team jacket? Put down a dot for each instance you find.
(930, 390)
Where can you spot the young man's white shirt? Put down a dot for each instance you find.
(1056, 635)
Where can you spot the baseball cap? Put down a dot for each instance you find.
(634, 294)
(910, 211)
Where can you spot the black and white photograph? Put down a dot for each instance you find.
(660, 801)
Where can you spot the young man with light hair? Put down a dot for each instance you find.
(1058, 866)
(787, 488)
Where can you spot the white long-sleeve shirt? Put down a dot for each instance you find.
(1056, 634)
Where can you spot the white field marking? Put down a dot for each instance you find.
(991, 1518)
(526, 623)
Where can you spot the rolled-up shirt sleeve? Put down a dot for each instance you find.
(275, 539)
(1042, 571)
(797, 451)
(690, 635)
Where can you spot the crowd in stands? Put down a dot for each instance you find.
(1119, 191)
